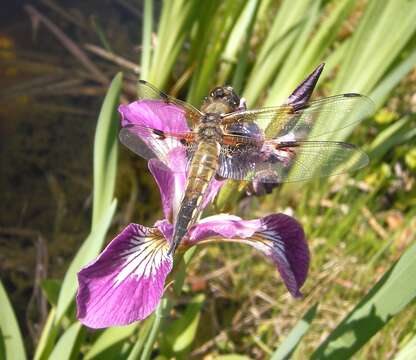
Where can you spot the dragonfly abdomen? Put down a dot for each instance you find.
(202, 170)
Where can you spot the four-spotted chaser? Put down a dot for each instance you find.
(268, 145)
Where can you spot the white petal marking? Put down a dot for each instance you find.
(144, 258)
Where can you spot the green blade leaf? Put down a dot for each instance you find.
(146, 39)
(282, 35)
(288, 346)
(178, 337)
(401, 131)
(47, 338)
(312, 54)
(68, 345)
(387, 298)
(408, 352)
(10, 332)
(105, 165)
(145, 327)
(109, 338)
(105, 151)
(51, 288)
(87, 252)
(374, 47)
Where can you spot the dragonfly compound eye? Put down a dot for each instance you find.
(217, 92)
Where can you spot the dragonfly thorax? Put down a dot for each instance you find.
(211, 118)
(210, 131)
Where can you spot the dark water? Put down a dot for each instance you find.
(48, 111)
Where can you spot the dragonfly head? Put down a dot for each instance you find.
(221, 99)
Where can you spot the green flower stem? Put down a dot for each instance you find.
(178, 275)
(228, 196)
(162, 310)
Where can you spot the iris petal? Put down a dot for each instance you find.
(125, 283)
(165, 180)
(155, 114)
(278, 236)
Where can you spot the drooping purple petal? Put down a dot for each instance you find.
(278, 236)
(125, 283)
(221, 225)
(144, 120)
(288, 249)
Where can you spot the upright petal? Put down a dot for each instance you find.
(212, 192)
(278, 236)
(166, 182)
(170, 178)
(155, 114)
(303, 92)
(125, 283)
(141, 120)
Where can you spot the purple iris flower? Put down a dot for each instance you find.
(127, 280)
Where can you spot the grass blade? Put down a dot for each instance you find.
(240, 70)
(105, 165)
(68, 345)
(397, 133)
(9, 329)
(171, 36)
(87, 252)
(318, 45)
(387, 298)
(374, 46)
(288, 346)
(105, 151)
(180, 334)
(146, 39)
(47, 338)
(282, 35)
(236, 38)
(145, 327)
(108, 338)
(408, 352)
(380, 94)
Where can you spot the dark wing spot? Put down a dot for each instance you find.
(348, 145)
(285, 144)
(159, 133)
(183, 141)
(351, 95)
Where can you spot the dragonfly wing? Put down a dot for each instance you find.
(299, 121)
(147, 91)
(278, 162)
(152, 143)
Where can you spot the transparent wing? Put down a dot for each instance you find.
(152, 143)
(296, 121)
(146, 90)
(278, 162)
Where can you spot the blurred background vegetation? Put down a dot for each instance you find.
(58, 179)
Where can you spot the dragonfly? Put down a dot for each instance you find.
(227, 141)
